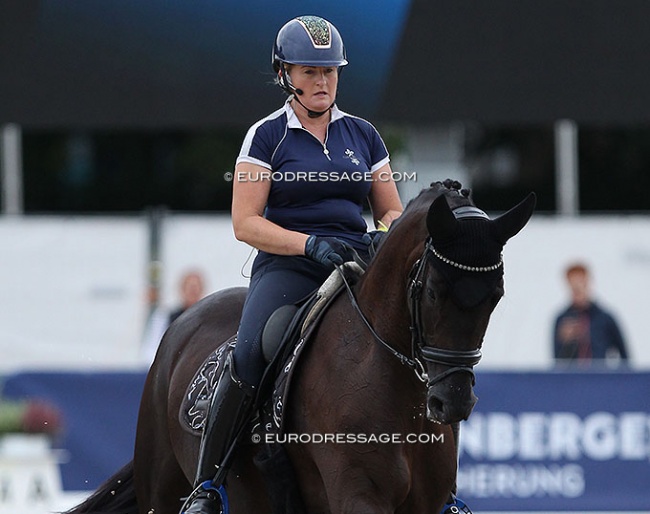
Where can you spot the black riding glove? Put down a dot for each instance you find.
(372, 239)
(329, 251)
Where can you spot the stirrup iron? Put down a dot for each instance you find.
(212, 493)
(455, 506)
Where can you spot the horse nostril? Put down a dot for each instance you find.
(443, 409)
(435, 408)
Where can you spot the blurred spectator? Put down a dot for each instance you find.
(585, 334)
(191, 289)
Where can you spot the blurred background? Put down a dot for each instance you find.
(119, 124)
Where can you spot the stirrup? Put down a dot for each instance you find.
(211, 493)
(455, 506)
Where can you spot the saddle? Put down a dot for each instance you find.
(286, 333)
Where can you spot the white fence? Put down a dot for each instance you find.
(73, 289)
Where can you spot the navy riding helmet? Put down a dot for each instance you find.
(307, 41)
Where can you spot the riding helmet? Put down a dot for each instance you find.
(308, 41)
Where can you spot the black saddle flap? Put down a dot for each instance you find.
(275, 329)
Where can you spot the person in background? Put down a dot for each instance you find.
(585, 334)
(191, 289)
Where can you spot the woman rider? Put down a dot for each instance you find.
(301, 179)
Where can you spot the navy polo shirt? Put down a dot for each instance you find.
(317, 189)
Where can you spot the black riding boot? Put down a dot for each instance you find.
(454, 504)
(230, 410)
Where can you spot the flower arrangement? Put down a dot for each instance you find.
(29, 417)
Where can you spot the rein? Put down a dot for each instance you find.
(456, 360)
(412, 362)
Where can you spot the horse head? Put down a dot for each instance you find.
(455, 287)
(454, 271)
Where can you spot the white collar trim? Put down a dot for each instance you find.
(294, 122)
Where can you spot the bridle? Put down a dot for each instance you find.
(455, 360)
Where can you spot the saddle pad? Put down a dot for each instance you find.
(330, 289)
(196, 401)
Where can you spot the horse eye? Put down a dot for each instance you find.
(431, 293)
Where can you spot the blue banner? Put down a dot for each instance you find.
(558, 441)
(100, 413)
(535, 441)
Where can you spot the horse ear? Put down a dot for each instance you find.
(441, 222)
(511, 222)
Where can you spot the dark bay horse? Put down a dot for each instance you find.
(388, 369)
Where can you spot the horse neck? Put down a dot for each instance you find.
(382, 292)
(383, 299)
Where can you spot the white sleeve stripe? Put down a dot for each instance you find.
(248, 140)
(252, 160)
(380, 164)
(250, 135)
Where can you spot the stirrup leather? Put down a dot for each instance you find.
(212, 493)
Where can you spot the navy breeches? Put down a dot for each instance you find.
(279, 280)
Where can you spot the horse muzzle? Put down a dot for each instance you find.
(450, 388)
(451, 399)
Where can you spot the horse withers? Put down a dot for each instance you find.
(379, 384)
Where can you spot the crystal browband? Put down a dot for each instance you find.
(463, 266)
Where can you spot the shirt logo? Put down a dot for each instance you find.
(349, 154)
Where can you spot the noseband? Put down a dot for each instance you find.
(455, 360)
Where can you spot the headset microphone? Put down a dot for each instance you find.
(285, 82)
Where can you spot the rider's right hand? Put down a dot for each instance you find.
(329, 251)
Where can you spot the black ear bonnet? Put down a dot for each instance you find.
(467, 246)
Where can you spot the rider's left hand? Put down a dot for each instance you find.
(372, 239)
